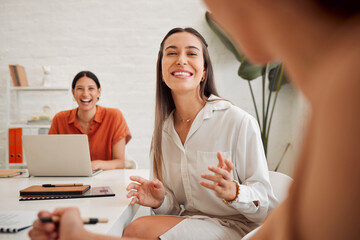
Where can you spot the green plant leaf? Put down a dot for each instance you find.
(272, 65)
(274, 78)
(249, 71)
(223, 37)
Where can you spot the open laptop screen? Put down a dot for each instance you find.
(57, 155)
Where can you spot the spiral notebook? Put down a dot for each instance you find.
(15, 221)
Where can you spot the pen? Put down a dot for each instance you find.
(56, 219)
(63, 185)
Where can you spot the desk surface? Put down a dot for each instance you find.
(116, 209)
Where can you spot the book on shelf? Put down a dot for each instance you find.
(18, 75)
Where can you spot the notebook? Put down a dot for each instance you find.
(38, 190)
(66, 155)
(15, 221)
(7, 173)
(104, 191)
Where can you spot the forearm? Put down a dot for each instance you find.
(112, 164)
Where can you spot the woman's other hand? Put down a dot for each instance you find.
(145, 192)
(222, 185)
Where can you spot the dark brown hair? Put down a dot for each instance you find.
(85, 74)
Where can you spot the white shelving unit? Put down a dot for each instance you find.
(14, 97)
(39, 88)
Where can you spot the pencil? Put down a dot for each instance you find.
(56, 219)
(63, 185)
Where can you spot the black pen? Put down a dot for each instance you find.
(56, 219)
(63, 185)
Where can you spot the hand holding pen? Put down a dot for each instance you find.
(56, 219)
(70, 225)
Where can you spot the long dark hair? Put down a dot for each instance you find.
(164, 101)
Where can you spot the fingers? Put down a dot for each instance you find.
(221, 160)
(138, 179)
(157, 184)
(36, 234)
(43, 230)
(133, 186)
(220, 171)
(211, 186)
(229, 165)
(48, 227)
(132, 194)
(224, 163)
(215, 178)
(95, 165)
(134, 200)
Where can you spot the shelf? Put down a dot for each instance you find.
(18, 166)
(39, 88)
(24, 125)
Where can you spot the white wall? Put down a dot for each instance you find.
(118, 41)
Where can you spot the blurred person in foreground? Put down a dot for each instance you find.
(318, 43)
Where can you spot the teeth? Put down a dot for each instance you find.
(185, 74)
(85, 100)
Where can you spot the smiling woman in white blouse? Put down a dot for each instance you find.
(211, 176)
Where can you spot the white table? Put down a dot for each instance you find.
(116, 209)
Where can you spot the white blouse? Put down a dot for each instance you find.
(218, 127)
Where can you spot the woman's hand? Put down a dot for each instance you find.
(97, 164)
(69, 227)
(222, 185)
(145, 192)
(43, 230)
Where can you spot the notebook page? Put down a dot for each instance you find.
(14, 221)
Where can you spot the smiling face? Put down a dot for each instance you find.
(86, 93)
(183, 63)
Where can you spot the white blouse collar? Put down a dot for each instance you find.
(215, 104)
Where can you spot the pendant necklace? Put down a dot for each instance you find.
(183, 120)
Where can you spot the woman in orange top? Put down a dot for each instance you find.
(106, 128)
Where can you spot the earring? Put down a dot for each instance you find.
(98, 98)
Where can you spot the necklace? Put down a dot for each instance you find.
(183, 120)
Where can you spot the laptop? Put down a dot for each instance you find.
(58, 155)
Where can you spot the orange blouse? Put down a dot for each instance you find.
(106, 128)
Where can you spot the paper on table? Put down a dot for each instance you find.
(15, 221)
